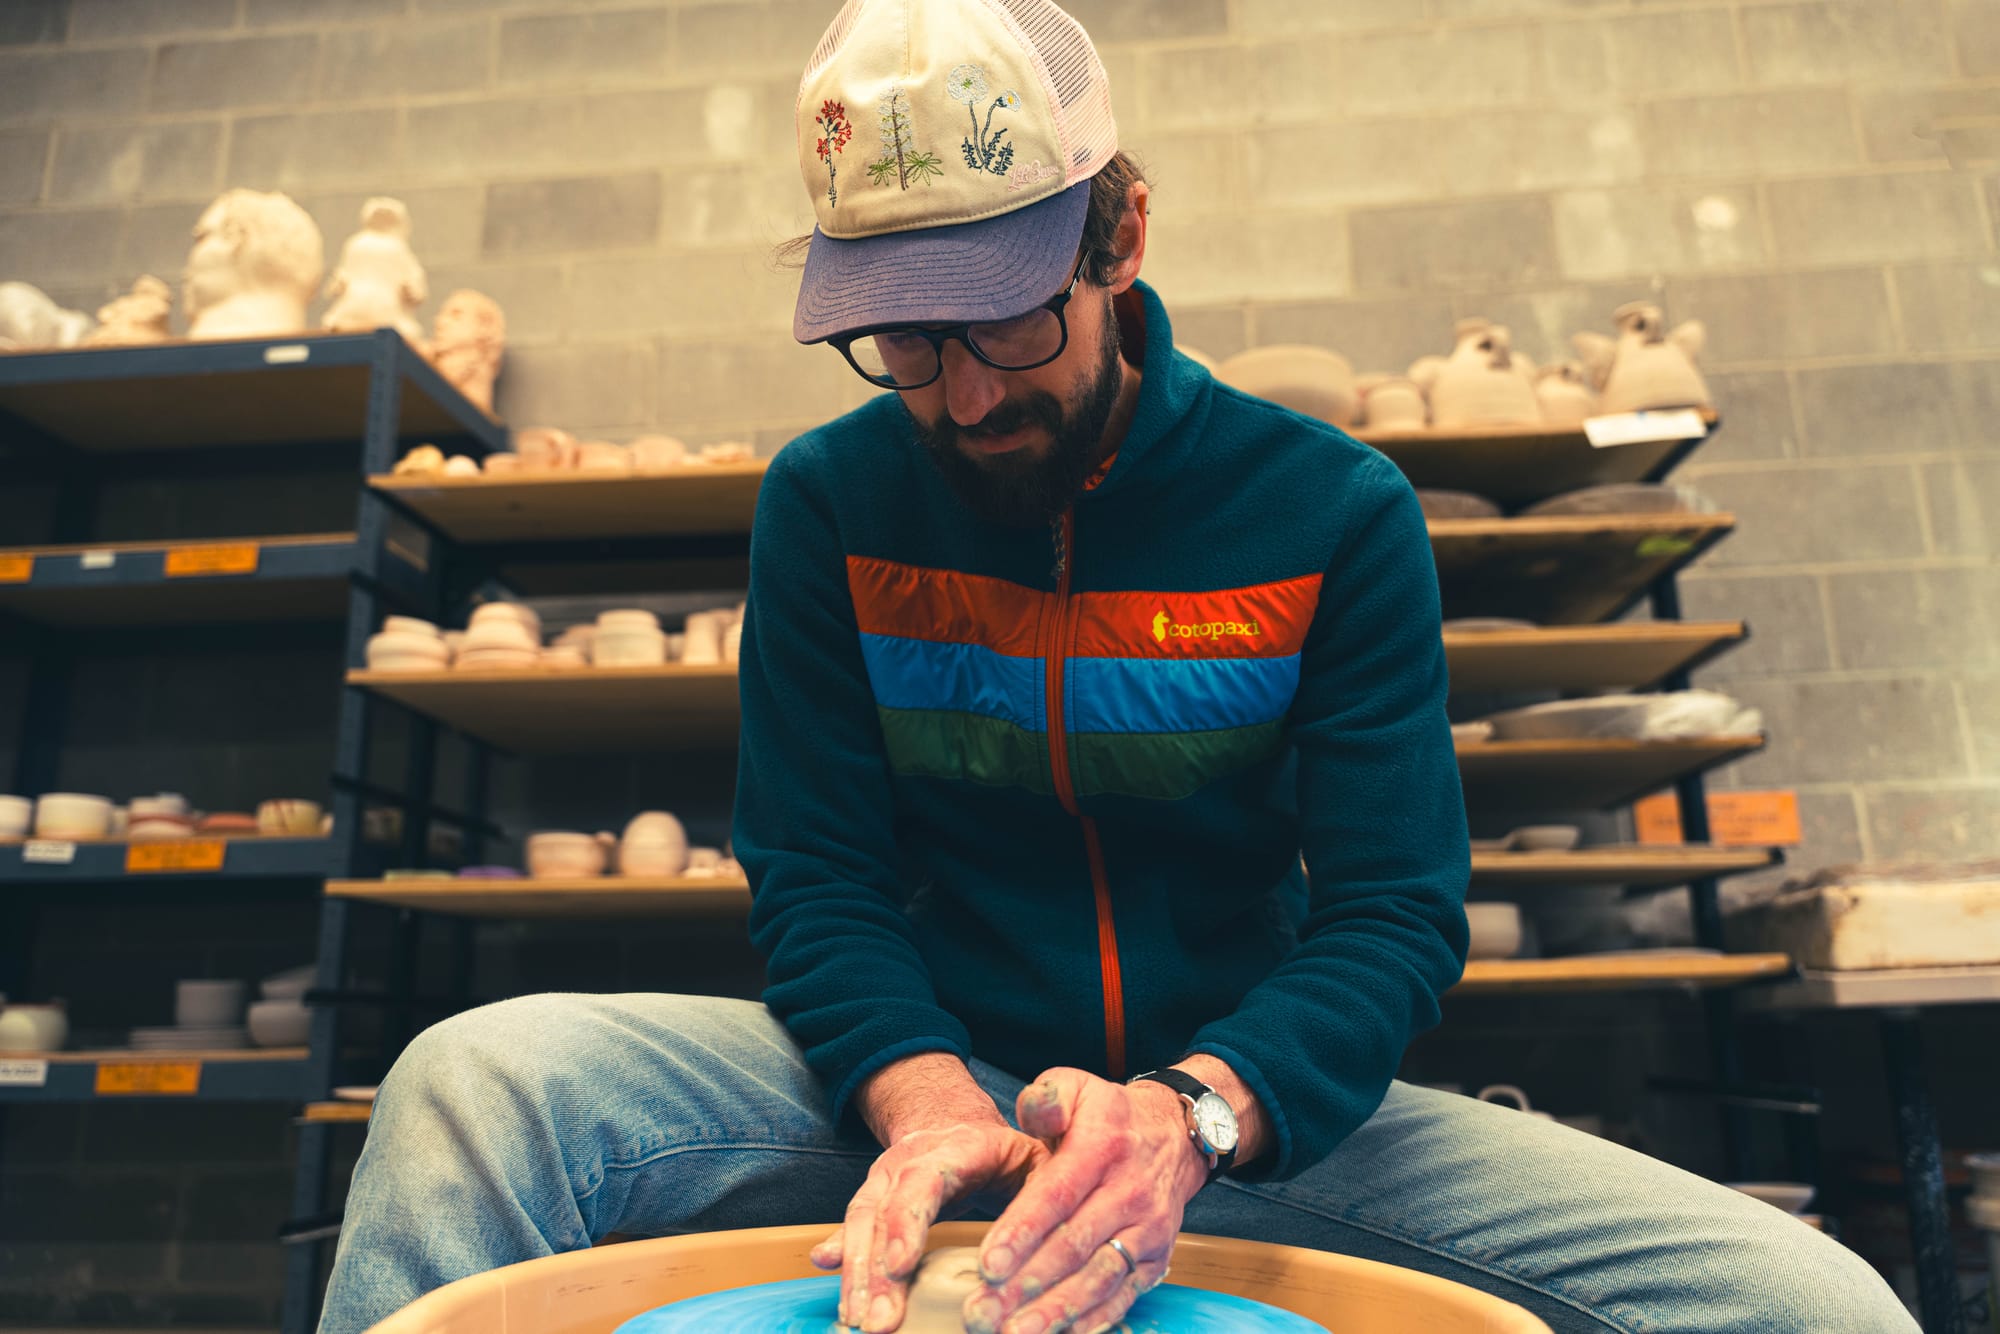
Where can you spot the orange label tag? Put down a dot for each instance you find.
(16, 567)
(177, 1078)
(224, 558)
(189, 854)
(1735, 819)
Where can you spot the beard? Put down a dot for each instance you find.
(1024, 489)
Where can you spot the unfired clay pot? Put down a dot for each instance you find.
(1647, 367)
(655, 843)
(1565, 394)
(1396, 404)
(1480, 385)
(1311, 380)
(562, 853)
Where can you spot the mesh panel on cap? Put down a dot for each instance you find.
(1083, 95)
(836, 33)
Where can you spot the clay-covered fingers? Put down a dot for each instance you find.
(1092, 1296)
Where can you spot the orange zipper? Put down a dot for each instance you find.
(1057, 653)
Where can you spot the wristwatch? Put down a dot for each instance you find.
(1210, 1120)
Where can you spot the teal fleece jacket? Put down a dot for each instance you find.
(1041, 796)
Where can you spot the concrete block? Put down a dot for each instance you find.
(1770, 131)
(1975, 32)
(1367, 162)
(1788, 632)
(558, 133)
(1512, 151)
(1439, 70)
(38, 85)
(318, 13)
(1891, 729)
(123, 20)
(1768, 317)
(1218, 331)
(535, 297)
(23, 156)
(28, 22)
(582, 213)
(1963, 502)
(585, 387)
(1949, 305)
(446, 222)
(1916, 619)
(1657, 230)
(1289, 18)
(1374, 335)
(1110, 21)
(589, 50)
(776, 37)
(315, 148)
(1191, 172)
(1901, 408)
(399, 59)
(687, 294)
(45, 248)
(173, 160)
(737, 385)
(1758, 423)
(1623, 58)
(1173, 86)
(155, 239)
(1214, 259)
(1789, 514)
(241, 72)
(1907, 216)
(1833, 40)
(1437, 247)
(1892, 119)
(1934, 823)
(738, 204)
(1979, 691)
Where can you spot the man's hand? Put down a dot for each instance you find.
(914, 1181)
(1123, 1168)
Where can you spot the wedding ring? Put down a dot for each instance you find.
(1131, 1265)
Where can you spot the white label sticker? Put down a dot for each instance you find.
(98, 560)
(1638, 428)
(286, 354)
(24, 1074)
(48, 852)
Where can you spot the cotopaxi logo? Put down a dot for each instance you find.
(1165, 629)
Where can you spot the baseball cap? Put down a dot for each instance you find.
(948, 146)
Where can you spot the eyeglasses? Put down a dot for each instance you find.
(910, 356)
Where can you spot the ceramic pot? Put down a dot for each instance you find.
(1396, 405)
(703, 645)
(1480, 384)
(291, 817)
(559, 853)
(404, 645)
(200, 1003)
(496, 659)
(72, 815)
(161, 803)
(629, 648)
(34, 1027)
(704, 861)
(603, 456)
(460, 465)
(1495, 928)
(1310, 380)
(17, 816)
(658, 453)
(629, 618)
(655, 843)
(519, 613)
(410, 625)
(502, 464)
(1648, 367)
(279, 1023)
(499, 632)
(1565, 395)
(732, 642)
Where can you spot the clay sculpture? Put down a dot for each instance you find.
(1479, 384)
(140, 316)
(256, 262)
(30, 318)
(379, 281)
(1646, 367)
(468, 341)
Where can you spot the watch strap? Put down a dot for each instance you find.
(1191, 1089)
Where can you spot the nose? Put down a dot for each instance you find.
(971, 387)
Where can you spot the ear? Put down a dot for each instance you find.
(1131, 241)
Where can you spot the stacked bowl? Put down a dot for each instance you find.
(407, 644)
(628, 638)
(501, 636)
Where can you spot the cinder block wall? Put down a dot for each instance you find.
(1355, 173)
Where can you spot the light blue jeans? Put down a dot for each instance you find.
(541, 1124)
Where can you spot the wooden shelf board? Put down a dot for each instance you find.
(694, 500)
(1885, 988)
(1585, 775)
(302, 576)
(338, 1112)
(1567, 570)
(1624, 971)
(121, 1056)
(1633, 864)
(590, 710)
(594, 896)
(1519, 465)
(1628, 656)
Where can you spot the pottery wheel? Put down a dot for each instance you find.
(809, 1306)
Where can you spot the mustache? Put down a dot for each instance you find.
(1040, 409)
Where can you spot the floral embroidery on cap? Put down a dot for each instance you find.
(983, 150)
(901, 160)
(834, 133)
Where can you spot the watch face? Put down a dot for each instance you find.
(1215, 1122)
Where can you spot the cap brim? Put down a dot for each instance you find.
(992, 269)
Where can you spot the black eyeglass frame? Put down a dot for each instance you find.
(961, 333)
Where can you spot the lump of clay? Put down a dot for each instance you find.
(30, 318)
(945, 1278)
(1565, 393)
(379, 281)
(1480, 384)
(140, 316)
(1646, 367)
(467, 342)
(256, 262)
(1310, 380)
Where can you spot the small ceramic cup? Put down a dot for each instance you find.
(703, 645)
(1509, 1094)
(34, 1027)
(72, 815)
(290, 817)
(205, 1003)
(502, 464)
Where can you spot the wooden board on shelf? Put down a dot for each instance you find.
(589, 710)
(1627, 656)
(1585, 775)
(695, 500)
(1519, 465)
(342, 1113)
(121, 1056)
(1564, 571)
(1625, 971)
(1629, 864)
(592, 896)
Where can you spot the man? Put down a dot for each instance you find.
(1057, 659)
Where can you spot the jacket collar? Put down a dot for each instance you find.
(1170, 387)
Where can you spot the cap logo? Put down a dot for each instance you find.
(834, 132)
(901, 161)
(983, 149)
(1034, 173)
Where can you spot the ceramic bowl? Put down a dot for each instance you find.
(1791, 1196)
(1547, 837)
(496, 660)
(293, 817)
(565, 853)
(153, 828)
(1608, 716)
(1455, 505)
(1626, 498)
(703, 645)
(226, 822)
(291, 984)
(627, 618)
(1471, 734)
(628, 648)
(500, 632)
(565, 657)
(525, 616)
(203, 1003)
(395, 662)
(279, 1023)
(1496, 930)
(17, 816)
(410, 625)
(161, 803)
(1396, 405)
(732, 642)
(402, 645)
(72, 815)
(34, 1027)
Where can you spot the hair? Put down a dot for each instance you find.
(1110, 195)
